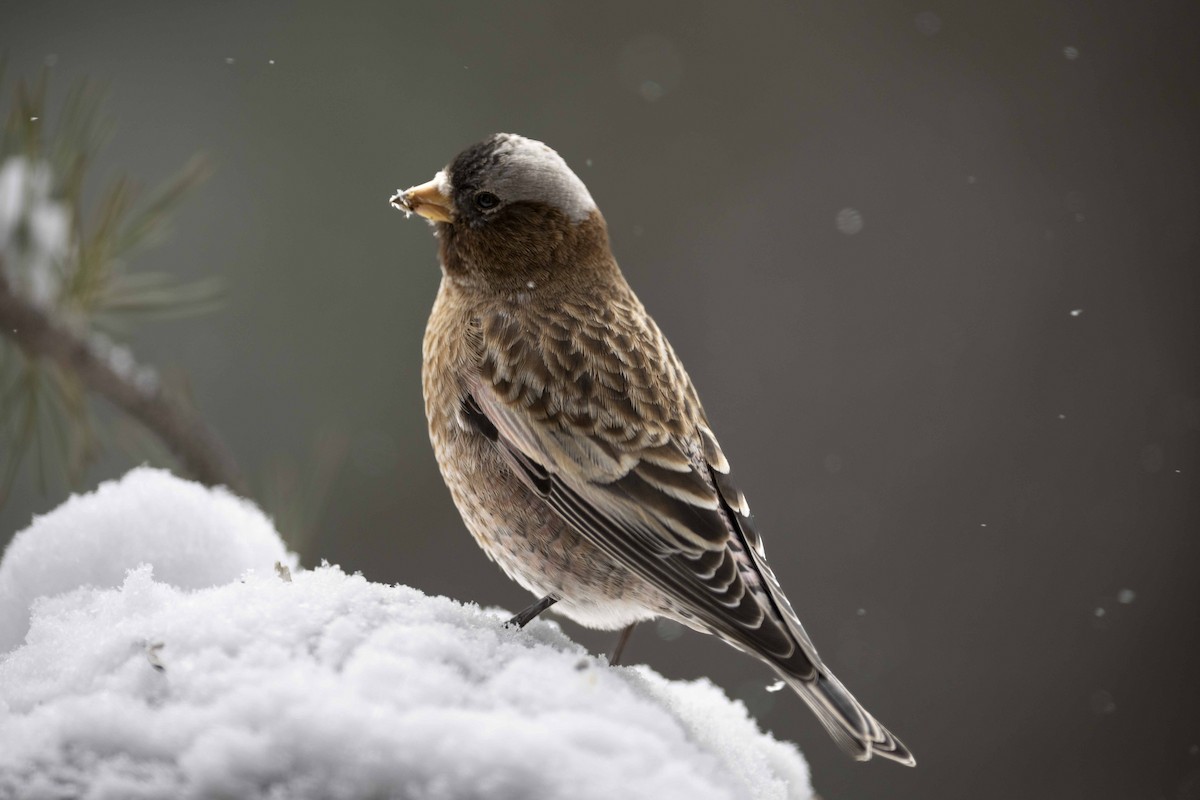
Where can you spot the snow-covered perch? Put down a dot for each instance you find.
(154, 652)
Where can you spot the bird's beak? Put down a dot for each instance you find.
(428, 200)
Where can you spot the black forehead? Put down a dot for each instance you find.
(469, 167)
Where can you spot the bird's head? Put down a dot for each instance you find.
(509, 207)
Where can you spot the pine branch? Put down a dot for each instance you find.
(185, 434)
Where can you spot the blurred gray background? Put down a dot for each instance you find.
(932, 266)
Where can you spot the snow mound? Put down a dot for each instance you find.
(194, 537)
(327, 685)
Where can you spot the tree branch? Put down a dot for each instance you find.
(186, 435)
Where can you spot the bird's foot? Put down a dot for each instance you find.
(526, 616)
(622, 640)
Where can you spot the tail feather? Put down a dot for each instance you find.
(848, 723)
(844, 718)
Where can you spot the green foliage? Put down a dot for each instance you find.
(86, 284)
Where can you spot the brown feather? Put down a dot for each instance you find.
(575, 446)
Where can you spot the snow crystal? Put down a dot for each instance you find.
(651, 90)
(1076, 312)
(327, 686)
(928, 23)
(193, 537)
(35, 230)
(121, 360)
(849, 221)
(651, 65)
(1102, 703)
(1126, 596)
(1070, 53)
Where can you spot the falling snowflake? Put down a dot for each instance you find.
(928, 23)
(849, 221)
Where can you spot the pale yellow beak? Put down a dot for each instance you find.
(426, 200)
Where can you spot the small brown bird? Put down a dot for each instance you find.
(571, 438)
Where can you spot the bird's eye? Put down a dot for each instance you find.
(486, 200)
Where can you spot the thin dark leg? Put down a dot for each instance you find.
(622, 640)
(526, 616)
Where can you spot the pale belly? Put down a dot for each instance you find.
(531, 543)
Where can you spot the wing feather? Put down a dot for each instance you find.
(605, 427)
(679, 547)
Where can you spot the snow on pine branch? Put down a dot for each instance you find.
(35, 230)
(36, 250)
(154, 652)
(65, 278)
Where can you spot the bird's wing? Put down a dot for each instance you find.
(595, 413)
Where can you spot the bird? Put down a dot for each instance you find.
(573, 442)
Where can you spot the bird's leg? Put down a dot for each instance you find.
(622, 640)
(526, 616)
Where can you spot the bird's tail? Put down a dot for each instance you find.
(850, 725)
